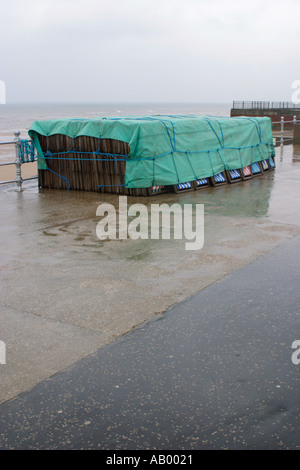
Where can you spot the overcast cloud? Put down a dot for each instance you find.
(142, 50)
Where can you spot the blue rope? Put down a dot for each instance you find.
(153, 179)
(51, 156)
(187, 152)
(214, 132)
(99, 143)
(240, 155)
(62, 177)
(28, 151)
(175, 167)
(223, 140)
(257, 125)
(212, 168)
(166, 123)
(222, 160)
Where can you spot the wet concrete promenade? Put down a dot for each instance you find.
(214, 371)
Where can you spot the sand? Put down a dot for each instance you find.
(8, 173)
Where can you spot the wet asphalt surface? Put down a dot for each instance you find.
(214, 372)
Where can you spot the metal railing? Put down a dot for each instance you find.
(264, 105)
(284, 139)
(24, 153)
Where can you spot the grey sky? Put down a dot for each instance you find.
(149, 50)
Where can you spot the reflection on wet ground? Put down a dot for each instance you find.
(65, 293)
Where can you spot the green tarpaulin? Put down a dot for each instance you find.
(166, 150)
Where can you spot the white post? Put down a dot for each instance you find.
(18, 162)
(281, 129)
(294, 120)
(2, 352)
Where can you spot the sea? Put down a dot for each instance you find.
(14, 116)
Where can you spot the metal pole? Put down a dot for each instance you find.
(281, 129)
(18, 162)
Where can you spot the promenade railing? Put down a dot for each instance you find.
(24, 153)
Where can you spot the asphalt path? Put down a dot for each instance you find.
(213, 372)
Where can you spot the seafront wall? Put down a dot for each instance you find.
(275, 114)
(297, 134)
